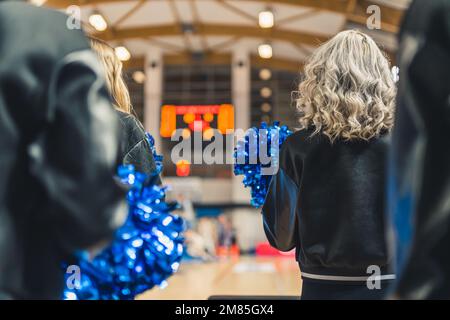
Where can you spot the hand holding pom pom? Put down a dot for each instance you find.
(257, 155)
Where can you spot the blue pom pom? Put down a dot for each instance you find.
(145, 251)
(249, 152)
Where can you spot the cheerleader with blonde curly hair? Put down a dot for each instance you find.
(327, 199)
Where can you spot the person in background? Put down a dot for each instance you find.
(419, 171)
(327, 198)
(226, 240)
(207, 228)
(59, 138)
(134, 148)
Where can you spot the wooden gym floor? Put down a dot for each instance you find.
(241, 276)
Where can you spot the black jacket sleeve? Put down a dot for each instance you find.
(135, 148)
(75, 158)
(280, 206)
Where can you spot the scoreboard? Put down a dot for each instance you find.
(201, 118)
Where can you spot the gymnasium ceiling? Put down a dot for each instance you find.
(214, 28)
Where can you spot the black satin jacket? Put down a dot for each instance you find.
(135, 148)
(327, 202)
(59, 138)
(419, 177)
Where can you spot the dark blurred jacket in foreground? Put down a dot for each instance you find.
(59, 138)
(419, 178)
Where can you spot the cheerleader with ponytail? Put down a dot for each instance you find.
(135, 148)
(148, 247)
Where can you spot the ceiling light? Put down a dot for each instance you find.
(138, 77)
(38, 3)
(265, 51)
(266, 107)
(98, 22)
(122, 53)
(266, 92)
(265, 74)
(266, 19)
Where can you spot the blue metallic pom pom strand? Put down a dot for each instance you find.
(252, 170)
(145, 251)
(158, 158)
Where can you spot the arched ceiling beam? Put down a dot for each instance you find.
(215, 30)
(334, 5)
(129, 13)
(197, 20)
(236, 10)
(178, 20)
(390, 17)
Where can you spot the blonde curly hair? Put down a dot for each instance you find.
(348, 91)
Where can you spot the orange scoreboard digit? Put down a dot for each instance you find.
(197, 118)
